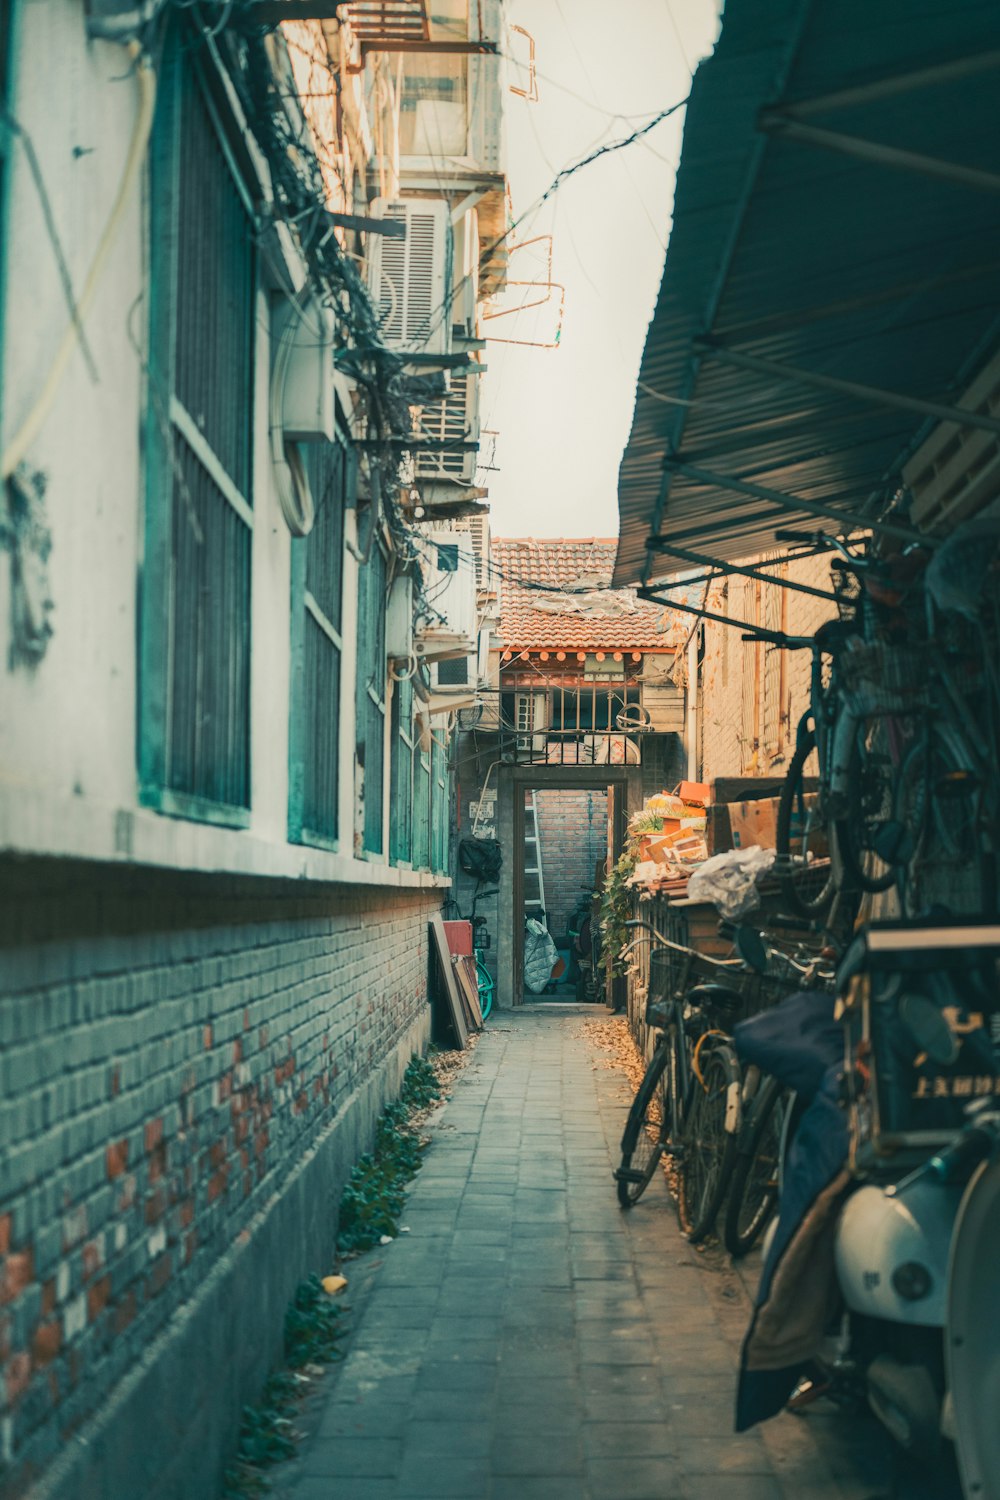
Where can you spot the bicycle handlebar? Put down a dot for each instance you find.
(664, 942)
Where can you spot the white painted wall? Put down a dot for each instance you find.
(68, 782)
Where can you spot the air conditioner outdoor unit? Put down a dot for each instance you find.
(399, 619)
(450, 630)
(454, 420)
(466, 288)
(410, 280)
(531, 717)
(454, 672)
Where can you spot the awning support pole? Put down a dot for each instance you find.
(773, 122)
(703, 614)
(657, 544)
(794, 375)
(884, 88)
(793, 502)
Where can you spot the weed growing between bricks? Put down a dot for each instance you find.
(369, 1207)
(267, 1431)
(374, 1195)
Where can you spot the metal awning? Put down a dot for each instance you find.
(832, 281)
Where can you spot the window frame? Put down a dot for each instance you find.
(365, 695)
(307, 613)
(181, 78)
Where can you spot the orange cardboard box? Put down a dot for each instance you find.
(694, 791)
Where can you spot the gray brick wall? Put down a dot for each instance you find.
(158, 1083)
(573, 828)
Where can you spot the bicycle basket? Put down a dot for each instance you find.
(847, 587)
(881, 677)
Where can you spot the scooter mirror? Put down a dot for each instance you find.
(928, 1028)
(750, 947)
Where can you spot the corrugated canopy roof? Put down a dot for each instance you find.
(794, 249)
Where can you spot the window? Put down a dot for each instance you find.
(433, 106)
(439, 808)
(317, 581)
(421, 809)
(401, 775)
(194, 745)
(370, 697)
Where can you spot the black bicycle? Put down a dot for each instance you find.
(691, 1085)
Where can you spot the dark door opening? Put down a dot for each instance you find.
(569, 828)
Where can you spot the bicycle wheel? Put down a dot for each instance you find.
(645, 1131)
(708, 1148)
(800, 837)
(869, 808)
(753, 1194)
(485, 981)
(941, 861)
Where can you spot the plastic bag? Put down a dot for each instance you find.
(540, 955)
(729, 880)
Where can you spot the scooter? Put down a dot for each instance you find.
(916, 1266)
(916, 1257)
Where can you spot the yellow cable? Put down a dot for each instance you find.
(29, 428)
(696, 1055)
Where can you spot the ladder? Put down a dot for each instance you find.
(534, 887)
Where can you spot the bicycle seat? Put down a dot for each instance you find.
(833, 633)
(717, 997)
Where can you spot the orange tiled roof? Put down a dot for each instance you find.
(593, 617)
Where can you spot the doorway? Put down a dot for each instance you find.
(568, 828)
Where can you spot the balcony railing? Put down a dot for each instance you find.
(379, 23)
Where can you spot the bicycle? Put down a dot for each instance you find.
(690, 1087)
(485, 983)
(764, 1104)
(845, 734)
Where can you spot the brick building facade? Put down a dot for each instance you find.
(752, 695)
(190, 1069)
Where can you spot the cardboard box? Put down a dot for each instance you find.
(754, 823)
(694, 791)
(459, 935)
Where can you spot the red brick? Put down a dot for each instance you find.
(155, 1207)
(158, 1162)
(48, 1297)
(93, 1258)
(153, 1134)
(17, 1375)
(206, 1037)
(116, 1158)
(217, 1184)
(97, 1297)
(18, 1273)
(160, 1274)
(6, 1222)
(46, 1343)
(237, 1051)
(217, 1152)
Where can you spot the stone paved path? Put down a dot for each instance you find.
(526, 1340)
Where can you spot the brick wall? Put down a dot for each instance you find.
(573, 828)
(752, 696)
(162, 1085)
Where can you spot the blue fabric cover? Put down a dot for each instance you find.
(799, 1043)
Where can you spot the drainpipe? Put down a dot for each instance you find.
(691, 720)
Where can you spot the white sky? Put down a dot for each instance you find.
(563, 415)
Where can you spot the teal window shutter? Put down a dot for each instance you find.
(317, 648)
(401, 775)
(421, 810)
(370, 694)
(194, 687)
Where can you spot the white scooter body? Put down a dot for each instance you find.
(887, 1240)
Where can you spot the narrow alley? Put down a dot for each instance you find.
(527, 1340)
